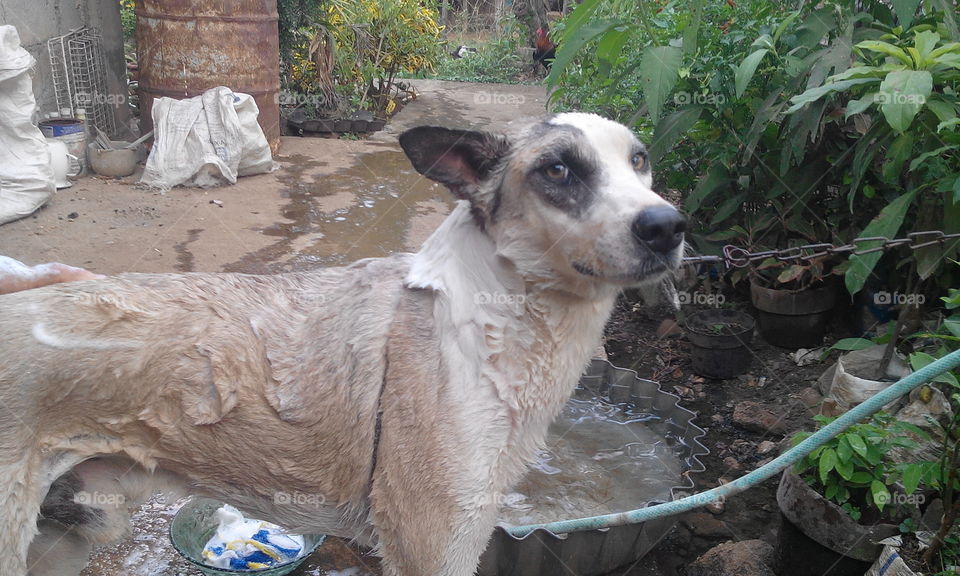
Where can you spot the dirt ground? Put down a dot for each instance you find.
(335, 201)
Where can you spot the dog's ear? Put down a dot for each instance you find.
(458, 159)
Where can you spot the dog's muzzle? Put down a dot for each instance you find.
(659, 228)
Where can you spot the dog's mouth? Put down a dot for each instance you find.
(648, 271)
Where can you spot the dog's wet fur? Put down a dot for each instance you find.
(390, 401)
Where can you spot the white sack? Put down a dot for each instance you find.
(205, 141)
(26, 175)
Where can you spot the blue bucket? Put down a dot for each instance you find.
(61, 127)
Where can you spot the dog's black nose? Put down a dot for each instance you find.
(659, 228)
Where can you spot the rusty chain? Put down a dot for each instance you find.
(734, 256)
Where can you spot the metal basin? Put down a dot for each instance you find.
(594, 552)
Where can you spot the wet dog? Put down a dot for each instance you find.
(389, 401)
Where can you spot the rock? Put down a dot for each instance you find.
(746, 558)
(766, 447)
(705, 525)
(668, 328)
(731, 463)
(810, 397)
(754, 417)
(717, 418)
(716, 507)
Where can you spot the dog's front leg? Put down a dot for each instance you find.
(19, 506)
(422, 534)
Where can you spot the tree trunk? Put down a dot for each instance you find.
(533, 14)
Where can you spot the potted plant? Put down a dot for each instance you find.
(719, 340)
(794, 301)
(942, 474)
(849, 494)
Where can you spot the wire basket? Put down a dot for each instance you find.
(79, 77)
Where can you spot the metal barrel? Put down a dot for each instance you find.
(188, 46)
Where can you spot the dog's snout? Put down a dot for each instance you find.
(660, 228)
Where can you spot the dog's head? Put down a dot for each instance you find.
(567, 199)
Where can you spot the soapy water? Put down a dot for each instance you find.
(600, 458)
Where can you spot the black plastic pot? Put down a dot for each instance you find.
(720, 341)
(794, 318)
(819, 535)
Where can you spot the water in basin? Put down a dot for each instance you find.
(599, 458)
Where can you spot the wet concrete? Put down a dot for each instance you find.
(330, 202)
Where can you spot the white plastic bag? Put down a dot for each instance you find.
(26, 175)
(207, 140)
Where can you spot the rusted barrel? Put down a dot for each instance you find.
(188, 46)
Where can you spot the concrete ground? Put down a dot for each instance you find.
(330, 202)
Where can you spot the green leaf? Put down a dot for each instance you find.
(931, 154)
(670, 129)
(898, 153)
(857, 443)
(886, 49)
(609, 48)
(925, 42)
(576, 37)
(948, 124)
(912, 475)
(852, 344)
(902, 94)
(858, 106)
(885, 224)
(831, 492)
(905, 10)
(800, 100)
(844, 451)
(745, 71)
(844, 469)
(716, 177)
(659, 73)
(728, 207)
(944, 111)
(861, 477)
(879, 494)
(692, 30)
(828, 460)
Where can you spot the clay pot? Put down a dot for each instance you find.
(794, 318)
(719, 340)
(827, 524)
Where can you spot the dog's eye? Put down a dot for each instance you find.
(557, 172)
(638, 161)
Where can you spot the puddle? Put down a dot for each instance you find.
(599, 459)
(379, 206)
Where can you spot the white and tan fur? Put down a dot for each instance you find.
(403, 393)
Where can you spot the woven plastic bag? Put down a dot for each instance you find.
(208, 140)
(26, 175)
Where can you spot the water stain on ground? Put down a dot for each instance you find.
(185, 258)
(367, 210)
